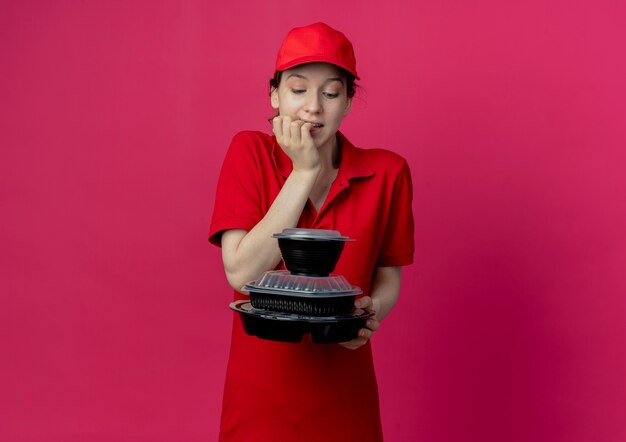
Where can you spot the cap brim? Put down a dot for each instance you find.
(314, 59)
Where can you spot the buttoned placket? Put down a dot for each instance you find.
(340, 184)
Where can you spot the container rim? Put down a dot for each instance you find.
(245, 307)
(311, 234)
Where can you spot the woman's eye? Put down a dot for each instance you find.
(298, 91)
(330, 95)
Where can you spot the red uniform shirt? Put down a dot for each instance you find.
(286, 392)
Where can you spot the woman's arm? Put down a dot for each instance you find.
(383, 297)
(385, 290)
(248, 254)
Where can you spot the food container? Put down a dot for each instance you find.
(285, 327)
(311, 252)
(280, 291)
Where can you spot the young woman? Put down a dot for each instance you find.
(308, 174)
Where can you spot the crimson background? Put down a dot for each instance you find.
(115, 117)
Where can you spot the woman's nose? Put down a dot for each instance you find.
(313, 103)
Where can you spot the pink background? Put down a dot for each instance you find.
(114, 119)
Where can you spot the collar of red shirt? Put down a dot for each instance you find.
(352, 164)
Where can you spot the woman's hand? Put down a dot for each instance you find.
(371, 325)
(294, 137)
(383, 296)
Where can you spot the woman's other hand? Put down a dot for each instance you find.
(294, 137)
(361, 305)
(383, 297)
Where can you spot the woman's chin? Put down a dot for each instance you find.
(319, 142)
(322, 138)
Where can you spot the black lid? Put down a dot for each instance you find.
(311, 234)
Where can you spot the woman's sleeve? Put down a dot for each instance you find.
(398, 245)
(237, 199)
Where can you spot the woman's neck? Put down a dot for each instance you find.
(330, 155)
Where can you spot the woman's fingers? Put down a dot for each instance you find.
(305, 134)
(277, 124)
(354, 344)
(286, 131)
(364, 335)
(372, 324)
(365, 303)
(294, 129)
(295, 139)
(362, 305)
(292, 133)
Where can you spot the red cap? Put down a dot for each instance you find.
(316, 42)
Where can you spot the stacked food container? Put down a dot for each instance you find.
(306, 298)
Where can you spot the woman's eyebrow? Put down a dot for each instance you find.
(297, 75)
(327, 80)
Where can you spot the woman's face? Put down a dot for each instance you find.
(314, 92)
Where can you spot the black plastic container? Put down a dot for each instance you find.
(341, 331)
(261, 326)
(311, 252)
(283, 327)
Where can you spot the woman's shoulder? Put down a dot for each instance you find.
(380, 159)
(252, 137)
(251, 143)
(386, 155)
(376, 157)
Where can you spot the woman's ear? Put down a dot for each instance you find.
(346, 111)
(274, 98)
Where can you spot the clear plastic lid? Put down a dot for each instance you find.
(281, 281)
(318, 234)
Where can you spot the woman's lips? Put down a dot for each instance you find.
(315, 129)
(314, 124)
